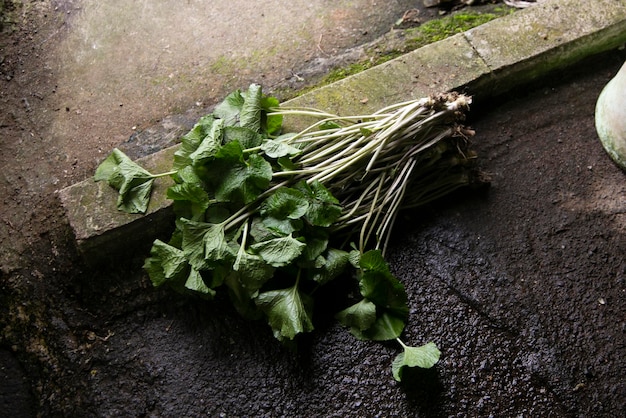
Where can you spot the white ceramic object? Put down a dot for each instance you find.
(611, 118)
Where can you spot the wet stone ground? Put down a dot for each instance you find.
(522, 287)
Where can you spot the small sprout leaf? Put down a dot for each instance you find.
(425, 357)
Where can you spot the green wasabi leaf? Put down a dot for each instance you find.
(154, 267)
(385, 291)
(187, 174)
(109, 168)
(196, 284)
(279, 252)
(282, 227)
(277, 149)
(355, 259)
(379, 286)
(190, 200)
(359, 316)
(365, 132)
(262, 232)
(252, 272)
(270, 124)
(136, 196)
(230, 108)
(240, 297)
(289, 311)
(249, 110)
(204, 244)
(286, 164)
(334, 263)
(216, 213)
(191, 141)
(230, 152)
(193, 242)
(216, 248)
(210, 144)
(250, 116)
(425, 356)
(212, 171)
(386, 327)
(324, 209)
(285, 203)
(243, 182)
(245, 136)
(316, 244)
(374, 261)
(133, 183)
(173, 259)
(329, 124)
(166, 263)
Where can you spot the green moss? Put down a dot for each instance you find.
(438, 29)
(9, 14)
(220, 65)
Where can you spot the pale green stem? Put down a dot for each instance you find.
(242, 249)
(362, 237)
(169, 173)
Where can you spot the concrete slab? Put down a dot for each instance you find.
(442, 66)
(487, 60)
(553, 34)
(96, 222)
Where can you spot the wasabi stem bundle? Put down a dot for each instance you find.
(404, 155)
(270, 216)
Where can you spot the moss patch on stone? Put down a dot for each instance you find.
(9, 14)
(438, 29)
(414, 38)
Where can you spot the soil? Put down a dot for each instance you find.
(522, 286)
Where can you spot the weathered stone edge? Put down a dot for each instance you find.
(469, 61)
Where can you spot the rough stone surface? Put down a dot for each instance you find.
(525, 46)
(442, 66)
(91, 209)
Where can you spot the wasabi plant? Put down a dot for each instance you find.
(269, 217)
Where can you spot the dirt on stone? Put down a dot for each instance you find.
(522, 286)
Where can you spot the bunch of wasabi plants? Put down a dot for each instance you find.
(269, 217)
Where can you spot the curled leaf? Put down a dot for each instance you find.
(133, 182)
(288, 311)
(250, 116)
(359, 316)
(285, 203)
(195, 283)
(165, 264)
(425, 357)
